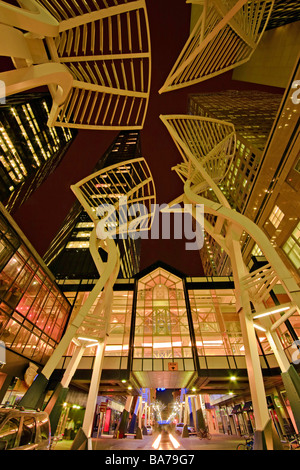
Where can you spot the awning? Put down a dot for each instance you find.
(248, 406)
(236, 409)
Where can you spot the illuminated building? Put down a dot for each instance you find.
(260, 183)
(33, 313)
(30, 150)
(180, 332)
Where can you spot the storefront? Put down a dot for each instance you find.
(107, 415)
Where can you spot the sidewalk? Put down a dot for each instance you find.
(218, 442)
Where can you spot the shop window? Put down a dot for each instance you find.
(276, 216)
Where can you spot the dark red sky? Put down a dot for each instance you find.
(42, 215)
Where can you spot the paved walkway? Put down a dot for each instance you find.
(218, 442)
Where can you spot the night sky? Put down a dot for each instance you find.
(42, 215)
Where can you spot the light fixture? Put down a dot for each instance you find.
(271, 311)
(233, 378)
(86, 339)
(258, 327)
(129, 387)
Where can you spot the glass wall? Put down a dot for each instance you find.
(217, 326)
(161, 329)
(117, 344)
(33, 311)
(216, 323)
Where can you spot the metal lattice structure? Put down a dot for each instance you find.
(207, 147)
(119, 186)
(99, 69)
(225, 36)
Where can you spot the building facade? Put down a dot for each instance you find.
(33, 314)
(263, 179)
(30, 150)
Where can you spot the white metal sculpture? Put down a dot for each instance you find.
(224, 37)
(119, 186)
(95, 59)
(227, 230)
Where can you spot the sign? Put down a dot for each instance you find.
(173, 365)
(102, 408)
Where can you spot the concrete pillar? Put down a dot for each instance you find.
(265, 436)
(181, 413)
(194, 412)
(122, 427)
(139, 434)
(185, 431)
(199, 413)
(291, 383)
(289, 375)
(131, 428)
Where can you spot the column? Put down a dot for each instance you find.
(54, 405)
(139, 434)
(194, 412)
(199, 414)
(122, 427)
(185, 431)
(83, 437)
(131, 428)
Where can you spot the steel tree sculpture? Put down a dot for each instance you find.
(207, 147)
(94, 58)
(224, 37)
(114, 189)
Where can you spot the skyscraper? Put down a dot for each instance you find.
(30, 150)
(34, 312)
(264, 123)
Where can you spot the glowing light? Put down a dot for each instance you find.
(156, 443)
(258, 327)
(272, 311)
(174, 441)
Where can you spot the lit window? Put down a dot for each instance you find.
(85, 225)
(79, 244)
(297, 166)
(256, 251)
(292, 247)
(276, 216)
(83, 234)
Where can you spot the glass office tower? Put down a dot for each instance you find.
(30, 150)
(33, 310)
